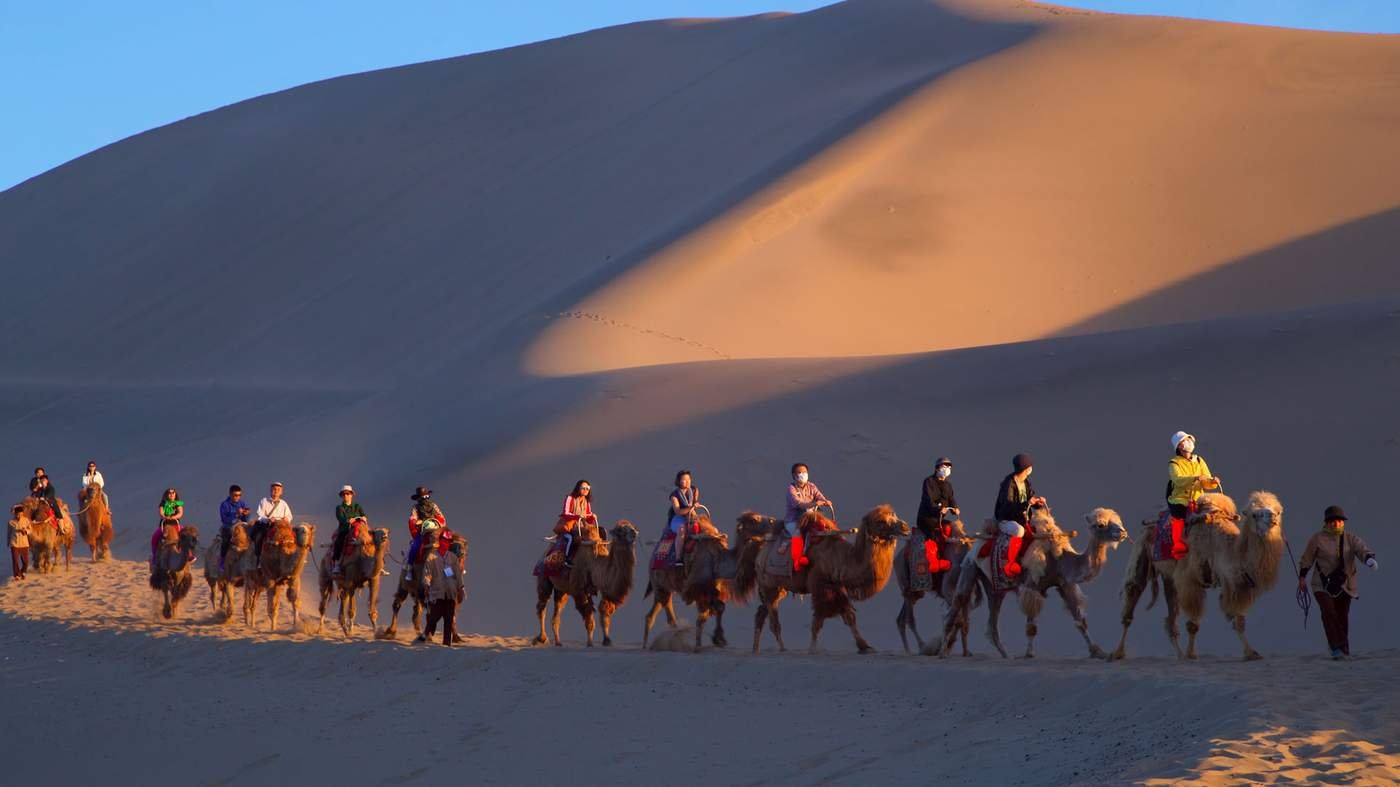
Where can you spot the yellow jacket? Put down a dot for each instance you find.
(1185, 479)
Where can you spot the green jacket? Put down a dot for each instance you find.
(344, 514)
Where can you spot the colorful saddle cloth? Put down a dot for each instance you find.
(552, 563)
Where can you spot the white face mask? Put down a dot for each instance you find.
(1188, 446)
(943, 472)
(801, 478)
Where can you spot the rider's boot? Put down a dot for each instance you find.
(799, 556)
(1013, 554)
(1179, 548)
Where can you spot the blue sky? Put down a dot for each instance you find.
(79, 74)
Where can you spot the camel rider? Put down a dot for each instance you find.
(577, 512)
(40, 486)
(1188, 477)
(1015, 499)
(94, 476)
(232, 511)
(171, 509)
(426, 514)
(272, 510)
(802, 496)
(684, 498)
(936, 500)
(346, 515)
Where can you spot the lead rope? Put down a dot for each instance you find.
(1303, 597)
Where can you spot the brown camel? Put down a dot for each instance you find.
(602, 568)
(171, 576)
(408, 587)
(1240, 556)
(359, 569)
(284, 554)
(841, 572)
(1049, 561)
(45, 541)
(223, 580)
(703, 580)
(95, 522)
(942, 584)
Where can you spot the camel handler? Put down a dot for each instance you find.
(272, 510)
(232, 511)
(1335, 553)
(802, 496)
(1188, 477)
(443, 589)
(1015, 498)
(346, 515)
(937, 499)
(18, 534)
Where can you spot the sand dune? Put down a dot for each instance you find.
(859, 237)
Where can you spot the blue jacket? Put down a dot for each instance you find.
(228, 511)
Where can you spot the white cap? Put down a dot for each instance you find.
(1179, 436)
(347, 488)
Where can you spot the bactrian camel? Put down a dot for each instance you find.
(1238, 555)
(840, 572)
(46, 538)
(408, 587)
(361, 568)
(171, 576)
(705, 578)
(602, 568)
(95, 522)
(1048, 561)
(284, 554)
(224, 579)
(944, 585)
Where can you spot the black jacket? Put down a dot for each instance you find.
(1010, 507)
(938, 494)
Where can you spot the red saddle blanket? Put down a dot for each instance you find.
(551, 564)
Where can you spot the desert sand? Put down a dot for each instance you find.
(860, 237)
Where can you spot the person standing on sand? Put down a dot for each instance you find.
(1335, 553)
(272, 510)
(1188, 477)
(1015, 498)
(19, 542)
(936, 499)
(802, 496)
(443, 589)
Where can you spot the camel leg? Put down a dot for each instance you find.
(1074, 600)
(848, 616)
(374, 601)
(1173, 610)
(1192, 628)
(1190, 596)
(390, 631)
(554, 620)
(1132, 591)
(1237, 623)
(605, 612)
(294, 600)
(719, 640)
(760, 616)
(702, 614)
(817, 622)
(994, 600)
(584, 603)
(325, 601)
(349, 612)
(905, 611)
(671, 619)
(656, 605)
(272, 604)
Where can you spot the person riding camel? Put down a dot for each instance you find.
(577, 512)
(346, 515)
(171, 509)
(684, 498)
(1015, 498)
(425, 515)
(93, 476)
(232, 511)
(1188, 477)
(41, 486)
(802, 496)
(272, 510)
(936, 501)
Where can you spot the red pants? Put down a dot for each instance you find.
(444, 609)
(1335, 613)
(19, 561)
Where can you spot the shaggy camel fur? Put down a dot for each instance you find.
(601, 568)
(954, 549)
(222, 581)
(841, 572)
(704, 579)
(284, 553)
(172, 577)
(1049, 561)
(408, 587)
(361, 569)
(1241, 556)
(46, 541)
(95, 522)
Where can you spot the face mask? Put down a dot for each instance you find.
(943, 472)
(801, 478)
(1189, 446)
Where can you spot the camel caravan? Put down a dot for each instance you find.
(1200, 542)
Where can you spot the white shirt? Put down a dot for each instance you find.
(94, 478)
(270, 511)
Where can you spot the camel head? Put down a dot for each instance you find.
(625, 533)
(1218, 510)
(380, 536)
(1264, 512)
(305, 534)
(1106, 526)
(189, 538)
(753, 526)
(883, 524)
(459, 545)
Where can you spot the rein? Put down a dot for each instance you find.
(1303, 596)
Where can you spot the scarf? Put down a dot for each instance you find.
(1334, 528)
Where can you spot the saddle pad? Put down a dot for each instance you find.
(919, 576)
(661, 555)
(552, 563)
(1162, 537)
(780, 557)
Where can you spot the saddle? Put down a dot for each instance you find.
(779, 562)
(992, 555)
(358, 539)
(920, 578)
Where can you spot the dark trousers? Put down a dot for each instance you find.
(19, 561)
(444, 609)
(338, 543)
(1335, 613)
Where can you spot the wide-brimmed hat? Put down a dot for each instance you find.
(1334, 512)
(943, 460)
(347, 488)
(1020, 462)
(421, 492)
